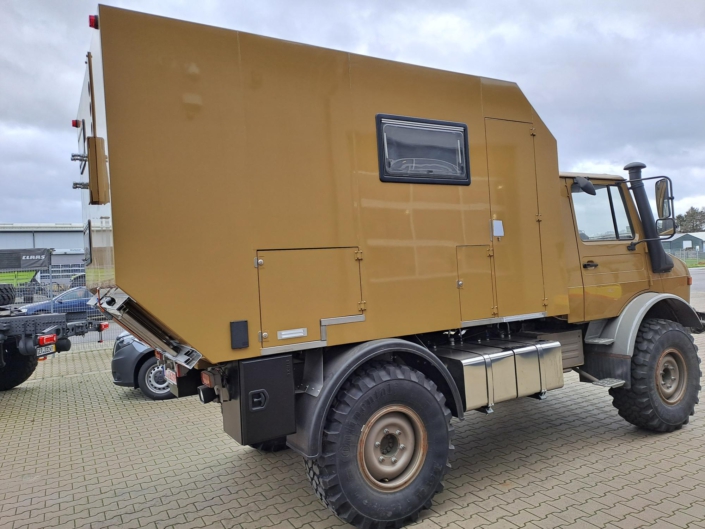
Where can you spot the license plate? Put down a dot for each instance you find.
(46, 350)
(170, 375)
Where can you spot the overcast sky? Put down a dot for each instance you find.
(615, 81)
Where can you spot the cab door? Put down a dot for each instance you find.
(612, 274)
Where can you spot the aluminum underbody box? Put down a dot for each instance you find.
(492, 371)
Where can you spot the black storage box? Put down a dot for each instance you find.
(261, 405)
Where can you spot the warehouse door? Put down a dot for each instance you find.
(514, 208)
(299, 288)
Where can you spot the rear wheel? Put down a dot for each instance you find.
(386, 444)
(18, 367)
(152, 381)
(665, 378)
(7, 294)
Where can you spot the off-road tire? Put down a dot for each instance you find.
(642, 404)
(352, 498)
(273, 445)
(7, 294)
(18, 367)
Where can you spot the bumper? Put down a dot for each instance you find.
(126, 357)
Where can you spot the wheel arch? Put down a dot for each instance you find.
(138, 365)
(617, 335)
(339, 363)
(609, 343)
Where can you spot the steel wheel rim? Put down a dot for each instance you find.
(392, 448)
(156, 381)
(671, 376)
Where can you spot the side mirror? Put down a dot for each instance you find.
(663, 200)
(585, 185)
(665, 227)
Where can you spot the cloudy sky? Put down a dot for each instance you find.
(615, 80)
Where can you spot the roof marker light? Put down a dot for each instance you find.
(76, 123)
(93, 21)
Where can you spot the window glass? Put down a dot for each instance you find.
(429, 152)
(624, 227)
(603, 216)
(71, 296)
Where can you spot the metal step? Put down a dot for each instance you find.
(610, 383)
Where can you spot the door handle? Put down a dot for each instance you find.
(590, 264)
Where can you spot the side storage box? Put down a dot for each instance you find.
(261, 405)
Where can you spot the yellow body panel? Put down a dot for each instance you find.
(517, 254)
(226, 147)
(299, 288)
(476, 291)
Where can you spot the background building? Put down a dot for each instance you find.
(65, 239)
(685, 241)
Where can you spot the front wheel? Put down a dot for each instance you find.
(665, 378)
(386, 445)
(152, 381)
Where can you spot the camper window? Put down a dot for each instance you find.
(422, 151)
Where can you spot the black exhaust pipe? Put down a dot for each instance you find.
(660, 261)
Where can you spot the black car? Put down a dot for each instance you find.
(134, 365)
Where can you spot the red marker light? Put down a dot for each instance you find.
(159, 355)
(76, 124)
(93, 21)
(47, 339)
(102, 326)
(208, 379)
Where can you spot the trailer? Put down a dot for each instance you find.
(394, 246)
(24, 339)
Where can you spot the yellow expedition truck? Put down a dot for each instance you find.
(395, 246)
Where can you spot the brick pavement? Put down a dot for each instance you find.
(79, 452)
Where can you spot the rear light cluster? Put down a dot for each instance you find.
(208, 379)
(206, 392)
(689, 281)
(46, 339)
(103, 326)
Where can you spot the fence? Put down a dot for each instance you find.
(692, 258)
(59, 290)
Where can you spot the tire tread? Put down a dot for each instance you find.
(634, 404)
(321, 472)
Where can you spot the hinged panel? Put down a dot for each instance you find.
(299, 288)
(475, 282)
(513, 199)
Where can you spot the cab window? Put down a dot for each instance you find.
(603, 216)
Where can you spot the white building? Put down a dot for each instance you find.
(65, 239)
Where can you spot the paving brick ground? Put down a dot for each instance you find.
(79, 452)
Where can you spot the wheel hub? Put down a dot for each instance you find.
(156, 381)
(392, 448)
(671, 376)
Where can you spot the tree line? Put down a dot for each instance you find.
(691, 221)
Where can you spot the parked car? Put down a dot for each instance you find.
(74, 300)
(134, 365)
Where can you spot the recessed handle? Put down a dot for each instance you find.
(590, 264)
